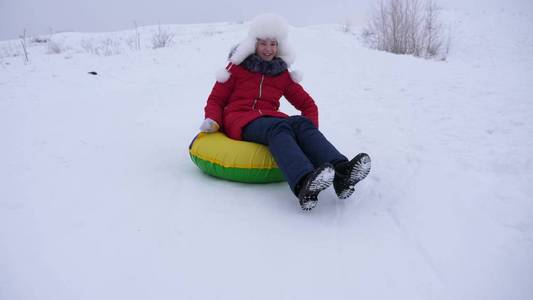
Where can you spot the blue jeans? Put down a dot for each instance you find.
(295, 143)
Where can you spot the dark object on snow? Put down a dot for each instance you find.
(93, 73)
(348, 174)
(317, 181)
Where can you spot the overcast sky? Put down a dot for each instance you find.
(41, 16)
(45, 16)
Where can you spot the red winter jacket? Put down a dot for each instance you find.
(247, 95)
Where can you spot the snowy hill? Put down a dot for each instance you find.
(99, 198)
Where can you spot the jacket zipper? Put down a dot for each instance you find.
(261, 86)
(260, 93)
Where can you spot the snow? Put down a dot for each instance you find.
(100, 200)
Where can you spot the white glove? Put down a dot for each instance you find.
(209, 125)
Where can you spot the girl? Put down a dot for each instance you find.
(244, 105)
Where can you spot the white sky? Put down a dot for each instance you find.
(42, 16)
(46, 16)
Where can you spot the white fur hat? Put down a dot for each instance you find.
(265, 26)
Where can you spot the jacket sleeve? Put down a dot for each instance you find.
(217, 100)
(301, 100)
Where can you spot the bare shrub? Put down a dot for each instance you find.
(407, 27)
(87, 45)
(134, 42)
(10, 49)
(137, 37)
(106, 47)
(54, 47)
(162, 38)
(4, 52)
(40, 40)
(211, 31)
(23, 44)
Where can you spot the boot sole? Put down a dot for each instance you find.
(360, 170)
(322, 181)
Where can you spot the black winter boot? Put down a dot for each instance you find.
(348, 174)
(318, 180)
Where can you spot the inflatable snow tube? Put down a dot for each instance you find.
(220, 156)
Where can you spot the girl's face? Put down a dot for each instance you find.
(267, 49)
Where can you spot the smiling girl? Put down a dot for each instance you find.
(244, 104)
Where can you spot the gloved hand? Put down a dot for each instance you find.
(209, 125)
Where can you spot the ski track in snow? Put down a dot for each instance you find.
(99, 199)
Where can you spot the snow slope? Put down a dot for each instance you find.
(99, 199)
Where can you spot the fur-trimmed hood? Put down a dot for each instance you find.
(266, 26)
(274, 67)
